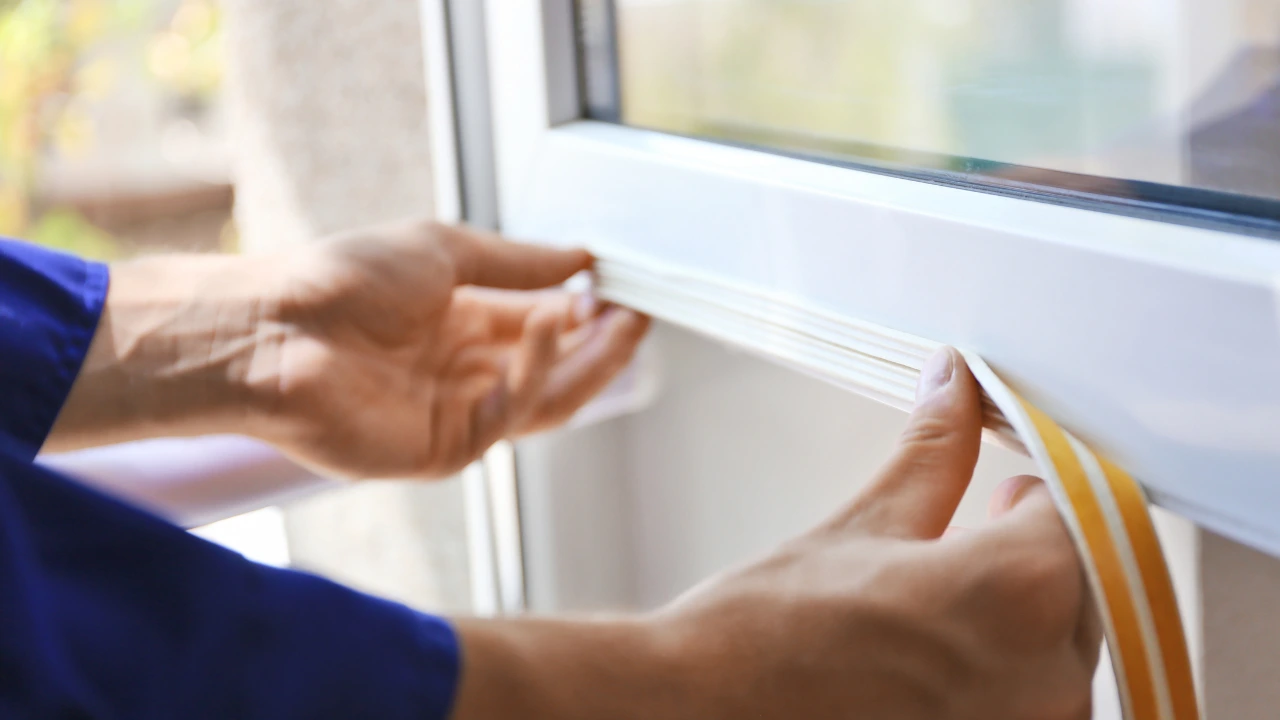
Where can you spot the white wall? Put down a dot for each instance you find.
(329, 123)
(739, 454)
(1241, 595)
(734, 455)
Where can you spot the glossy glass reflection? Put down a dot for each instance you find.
(1174, 92)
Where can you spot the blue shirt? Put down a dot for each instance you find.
(108, 612)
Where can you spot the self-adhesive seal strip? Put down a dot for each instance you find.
(1104, 509)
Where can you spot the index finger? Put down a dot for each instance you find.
(487, 259)
(1025, 517)
(610, 341)
(1023, 508)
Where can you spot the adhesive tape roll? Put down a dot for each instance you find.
(1104, 509)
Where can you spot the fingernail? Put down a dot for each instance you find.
(936, 374)
(584, 308)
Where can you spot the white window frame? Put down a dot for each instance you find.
(463, 190)
(1157, 342)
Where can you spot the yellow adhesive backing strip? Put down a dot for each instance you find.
(1113, 592)
(1103, 508)
(1134, 597)
(1159, 587)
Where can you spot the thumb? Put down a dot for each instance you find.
(916, 493)
(489, 260)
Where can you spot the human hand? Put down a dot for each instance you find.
(873, 614)
(395, 352)
(410, 350)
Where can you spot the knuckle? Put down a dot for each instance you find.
(1033, 596)
(1039, 586)
(423, 227)
(453, 246)
(453, 242)
(928, 430)
(1048, 570)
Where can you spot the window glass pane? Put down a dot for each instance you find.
(1146, 99)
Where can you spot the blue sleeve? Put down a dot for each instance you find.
(109, 613)
(49, 309)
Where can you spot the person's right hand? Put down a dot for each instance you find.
(873, 615)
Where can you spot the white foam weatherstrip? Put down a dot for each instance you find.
(1103, 508)
(877, 362)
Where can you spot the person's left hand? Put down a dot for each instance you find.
(395, 352)
(410, 350)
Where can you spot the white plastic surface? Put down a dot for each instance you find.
(1156, 343)
(192, 481)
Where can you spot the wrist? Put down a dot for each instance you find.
(181, 349)
(564, 670)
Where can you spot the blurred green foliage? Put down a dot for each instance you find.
(57, 58)
(68, 230)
